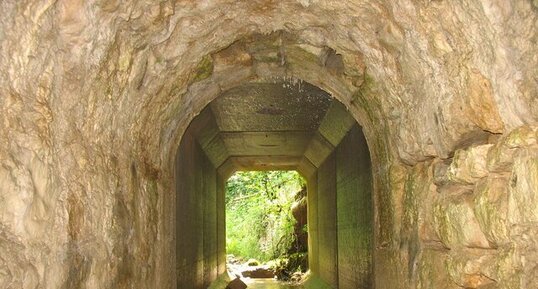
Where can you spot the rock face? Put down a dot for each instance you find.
(482, 224)
(259, 272)
(236, 284)
(95, 97)
(299, 212)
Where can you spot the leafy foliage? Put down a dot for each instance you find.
(285, 266)
(259, 223)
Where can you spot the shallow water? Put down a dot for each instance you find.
(268, 284)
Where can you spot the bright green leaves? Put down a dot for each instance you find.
(259, 223)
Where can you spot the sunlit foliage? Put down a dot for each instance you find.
(259, 223)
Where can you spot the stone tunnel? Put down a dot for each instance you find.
(414, 122)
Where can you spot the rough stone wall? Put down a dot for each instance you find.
(474, 216)
(95, 96)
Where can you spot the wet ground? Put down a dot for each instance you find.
(268, 284)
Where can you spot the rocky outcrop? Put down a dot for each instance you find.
(258, 272)
(473, 216)
(299, 212)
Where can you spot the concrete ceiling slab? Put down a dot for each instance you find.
(206, 132)
(278, 125)
(318, 149)
(279, 106)
(205, 127)
(290, 143)
(336, 123)
(266, 162)
(306, 168)
(216, 151)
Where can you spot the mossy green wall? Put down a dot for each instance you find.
(354, 211)
(327, 235)
(340, 216)
(197, 225)
(339, 212)
(221, 226)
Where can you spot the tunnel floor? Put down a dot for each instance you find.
(269, 284)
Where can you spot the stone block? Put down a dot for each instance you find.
(431, 271)
(236, 284)
(440, 170)
(501, 156)
(491, 209)
(390, 270)
(420, 192)
(523, 190)
(480, 103)
(467, 268)
(232, 56)
(524, 136)
(258, 272)
(469, 165)
(456, 223)
(519, 268)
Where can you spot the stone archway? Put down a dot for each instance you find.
(96, 96)
(284, 125)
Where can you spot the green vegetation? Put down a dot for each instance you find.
(204, 69)
(259, 223)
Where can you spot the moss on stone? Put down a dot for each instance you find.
(368, 104)
(204, 69)
(267, 57)
(151, 187)
(300, 55)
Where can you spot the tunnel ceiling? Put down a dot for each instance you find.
(279, 106)
(282, 124)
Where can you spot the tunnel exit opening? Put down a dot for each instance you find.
(266, 225)
(281, 125)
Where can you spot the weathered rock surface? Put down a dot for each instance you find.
(469, 165)
(491, 209)
(299, 213)
(457, 225)
(236, 284)
(258, 272)
(486, 218)
(95, 97)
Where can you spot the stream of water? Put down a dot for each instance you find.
(268, 284)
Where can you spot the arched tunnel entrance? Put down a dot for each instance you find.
(277, 125)
(96, 97)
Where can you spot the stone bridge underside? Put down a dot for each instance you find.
(96, 98)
